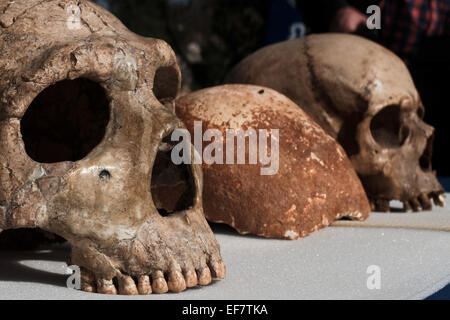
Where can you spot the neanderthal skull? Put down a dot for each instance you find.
(362, 95)
(82, 151)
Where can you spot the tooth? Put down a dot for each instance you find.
(218, 269)
(415, 204)
(106, 286)
(159, 284)
(87, 280)
(191, 278)
(406, 206)
(382, 205)
(144, 286)
(440, 199)
(127, 286)
(204, 277)
(176, 282)
(425, 202)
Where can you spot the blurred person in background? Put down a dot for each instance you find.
(405, 24)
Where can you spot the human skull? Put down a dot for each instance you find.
(308, 183)
(82, 124)
(363, 95)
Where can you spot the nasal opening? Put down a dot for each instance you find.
(172, 186)
(426, 158)
(66, 121)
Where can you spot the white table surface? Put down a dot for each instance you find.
(329, 264)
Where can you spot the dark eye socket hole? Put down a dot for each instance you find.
(387, 128)
(165, 85)
(172, 186)
(66, 121)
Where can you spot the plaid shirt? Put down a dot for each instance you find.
(404, 24)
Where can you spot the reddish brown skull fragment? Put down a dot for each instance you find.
(311, 185)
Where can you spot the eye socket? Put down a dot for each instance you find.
(165, 84)
(388, 129)
(66, 121)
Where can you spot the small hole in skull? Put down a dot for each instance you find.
(104, 175)
(388, 129)
(66, 121)
(172, 186)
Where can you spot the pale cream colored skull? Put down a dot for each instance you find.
(362, 95)
(70, 66)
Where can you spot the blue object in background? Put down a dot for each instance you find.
(443, 294)
(445, 181)
(103, 3)
(285, 22)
